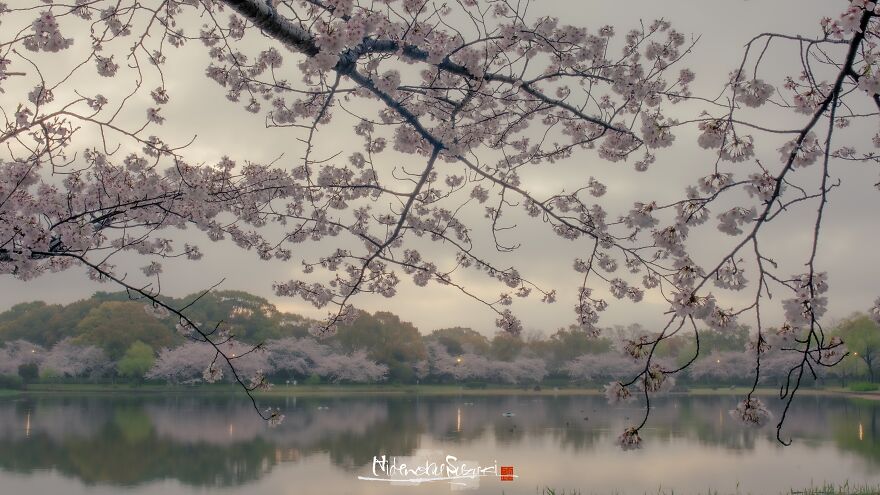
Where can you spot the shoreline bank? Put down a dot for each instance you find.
(379, 390)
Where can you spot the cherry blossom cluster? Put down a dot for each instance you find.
(441, 365)
(66, 359)
(453, 108)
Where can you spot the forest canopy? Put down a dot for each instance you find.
(126, 342)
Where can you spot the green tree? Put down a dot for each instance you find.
(250, 318)
(34, 322)
(674, 346)
(568, 344)
(458, 340)
(66, 320)
(138, 359)
(28, 372)
(850, 367)
(506, 347)
(683, 348)
(387, 340)
(862, 338)
(116, 325)
(731, 339)
(48, 375)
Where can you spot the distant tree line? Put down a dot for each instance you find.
(110, 337)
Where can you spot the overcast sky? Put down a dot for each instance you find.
(199, 108)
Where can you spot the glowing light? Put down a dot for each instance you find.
(861, 432)
(458, 360)
(27, 426)
(458, 421)
(718, 361)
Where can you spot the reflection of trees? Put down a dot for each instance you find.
(397, 434)
(213, 441)
(218, 441)
(856, 428)
(66, 417)
(223, 420)
(127, 451)
(705, 420)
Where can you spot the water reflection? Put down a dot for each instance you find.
(216, 441)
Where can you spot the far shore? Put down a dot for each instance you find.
(284, 390)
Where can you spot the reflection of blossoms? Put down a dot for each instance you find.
(630, 439)
(751, 412)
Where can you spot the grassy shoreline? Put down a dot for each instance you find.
(432, 390)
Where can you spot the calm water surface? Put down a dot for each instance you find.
(209, 444)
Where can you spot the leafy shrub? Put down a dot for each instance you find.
(475, 385)
(49, 375)
(13, 382)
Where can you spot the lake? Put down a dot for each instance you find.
(187, 444)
